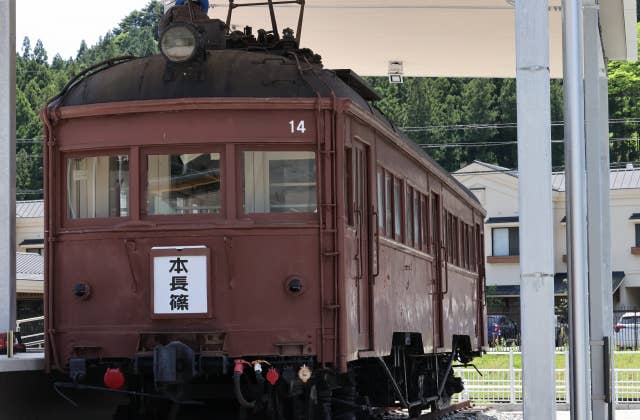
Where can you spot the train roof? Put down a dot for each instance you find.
(229, 73)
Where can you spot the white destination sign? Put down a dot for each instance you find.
(180, 284)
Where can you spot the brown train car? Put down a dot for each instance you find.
(244, 225)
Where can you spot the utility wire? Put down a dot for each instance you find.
(483, 126)
(505, 143)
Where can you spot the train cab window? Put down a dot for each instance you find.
(183, 184)
(279, 182)
(98, 187)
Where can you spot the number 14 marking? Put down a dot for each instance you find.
(297, 128)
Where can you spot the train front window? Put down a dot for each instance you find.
(279, 182)
(98, 187)
(187, 183)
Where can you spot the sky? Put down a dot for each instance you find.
(62, 25)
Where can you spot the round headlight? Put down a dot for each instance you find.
(179, 43)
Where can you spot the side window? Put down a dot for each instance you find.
(505, 241)
(466, 245)
(456, 241)
(381, 212)
(409, 215)
(348, 186)
(98, 187)
(388, 205)
(279, 182)
(187, 183)
(424, 225)
(478, 247)
(397, 209)
(416, 219)
(472, 248)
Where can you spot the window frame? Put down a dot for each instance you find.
(66, 220)
(181, 149)
(239, 183)
(509, 245)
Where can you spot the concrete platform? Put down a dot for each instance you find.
(22, 362)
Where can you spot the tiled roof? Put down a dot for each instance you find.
(29, 266)
(30, 208)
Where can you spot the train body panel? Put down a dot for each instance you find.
(247, 211)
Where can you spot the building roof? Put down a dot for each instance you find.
(29, 266)
(30, 208)
(490, 168)
(620, 179)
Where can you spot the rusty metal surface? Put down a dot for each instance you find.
(247, 98)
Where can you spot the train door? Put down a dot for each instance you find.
(362, 221)
(439, 270)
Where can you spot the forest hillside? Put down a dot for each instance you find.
(456, 120)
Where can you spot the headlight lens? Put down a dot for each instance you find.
(179, 43)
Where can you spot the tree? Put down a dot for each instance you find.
(36, 81)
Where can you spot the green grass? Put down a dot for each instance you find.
(623, 360)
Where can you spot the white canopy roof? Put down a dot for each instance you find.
(465, 38)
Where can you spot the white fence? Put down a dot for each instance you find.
(505, 385)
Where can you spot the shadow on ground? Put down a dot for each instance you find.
(30, 396)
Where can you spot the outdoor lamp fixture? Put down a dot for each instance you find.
(395, 72)
(181, 42)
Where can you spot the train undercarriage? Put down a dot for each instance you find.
(173, 382)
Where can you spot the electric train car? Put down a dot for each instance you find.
(230, 224)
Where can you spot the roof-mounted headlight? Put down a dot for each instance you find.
(179, 43)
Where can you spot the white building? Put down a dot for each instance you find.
(497, 189)
(29, 258)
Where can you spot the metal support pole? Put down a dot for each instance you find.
(576, 209)
(536, 213)
(598, 209)
(7, 165)
(512, 379)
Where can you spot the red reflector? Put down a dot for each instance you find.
(3, 341)
(272, 376)
(114, 379)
